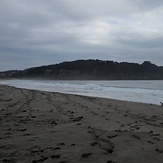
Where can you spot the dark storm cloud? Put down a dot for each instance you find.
(42, 32)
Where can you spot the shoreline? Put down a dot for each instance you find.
(80, 95)
(84, 94)
(40, 126)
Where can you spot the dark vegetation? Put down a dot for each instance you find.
(90, 70)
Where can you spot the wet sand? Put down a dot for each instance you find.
(43, 127)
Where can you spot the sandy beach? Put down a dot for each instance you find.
(43, 127)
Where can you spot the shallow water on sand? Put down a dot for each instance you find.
(149, 91)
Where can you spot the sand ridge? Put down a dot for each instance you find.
(38, 126)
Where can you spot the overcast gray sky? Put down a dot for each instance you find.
(42, 32)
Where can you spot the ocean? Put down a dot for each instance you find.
(148, 91)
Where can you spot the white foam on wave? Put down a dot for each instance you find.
(136, 91)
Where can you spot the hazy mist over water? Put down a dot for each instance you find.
(148, 91)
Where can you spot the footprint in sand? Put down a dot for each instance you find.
(61, 144)
(62, 162)
(42, 159)
(94, 143)
(150, 142)
(111, 161)
(85, 155)
(158, 150)
(55, 156)
(106, 145)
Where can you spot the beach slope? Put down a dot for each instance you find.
(38, 126)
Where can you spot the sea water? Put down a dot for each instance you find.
(148, 91)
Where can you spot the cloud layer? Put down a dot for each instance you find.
(42, 32)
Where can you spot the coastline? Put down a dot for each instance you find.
(150, 92)
(39, 126)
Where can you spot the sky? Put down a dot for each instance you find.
(43, 32)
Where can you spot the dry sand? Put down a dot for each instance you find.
(37, 126)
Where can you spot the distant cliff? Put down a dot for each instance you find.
(90, 70)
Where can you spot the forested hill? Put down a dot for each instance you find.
(90, 70)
